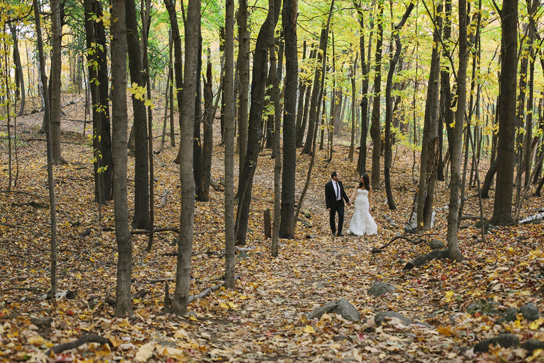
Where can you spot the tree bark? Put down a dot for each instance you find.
(288, 188)
(456, 140)
(429, 147)
(389, 108)
(502, 206)
(141, 166)
(230, 278)
(19, 78)
(123, 306)
(55, 82)
(365, 70)
(197, 140)
(207, 147)
(187, 108)
(375, 128)
(303, 90)
(244, 36)
(255, 123)
(99, 85)
(313, 113)
(50, 176)
(178, 60)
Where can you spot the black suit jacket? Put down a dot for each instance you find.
(330, 194)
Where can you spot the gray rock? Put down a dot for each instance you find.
(533, 344)
(341, 307)
(483, 306)
(530, 312)
(42, 322)
(382, 316)
(437, 245)
(379, 288)
(503, 340)
(511, 315)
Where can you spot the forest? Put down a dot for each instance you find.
(163, 167)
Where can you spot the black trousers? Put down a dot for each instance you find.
(337, 207)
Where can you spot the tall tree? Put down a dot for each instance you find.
(375, 128)
(456, 137)
(123, 306)
(244, 37)
(446, 112)
(315, 100)
(187, 107)
(230, 278)
(365, 70)
(50, 176)
(303, 90)
(207, 146)
(258, 84)
(141, 166)
(502, 205)
(55, 82)
(289, 23)
(97, 66)
(429, 146)
(19, 78)
(197, 140)
(389, 107)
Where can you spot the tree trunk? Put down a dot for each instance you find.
(178, 60)
(19, 78)
(375, 128)
(502, 207)
(303, 84)
(244, 37)
(209, 116)
(141, 166)
(275, 93)
(429, 146)
(99, 85)
(365, 70)
(55, 82)
(289, 21)
(315, 98)
(456, 141)
(389, 109)
(352, 72)
(197, 140)
(50, 176)
(187, 108)
(255, 123)
(146, 22)
(229, 145)
(446, 113)
(123, 305)
(306, 107)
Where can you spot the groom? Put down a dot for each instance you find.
(334, 196)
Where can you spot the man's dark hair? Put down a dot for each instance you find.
(333, 174)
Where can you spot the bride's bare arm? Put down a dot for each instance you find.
(355, 194)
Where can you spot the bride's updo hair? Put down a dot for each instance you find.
(366, 181)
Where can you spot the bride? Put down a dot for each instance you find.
(362, 222)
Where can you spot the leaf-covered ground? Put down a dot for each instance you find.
(453, 305)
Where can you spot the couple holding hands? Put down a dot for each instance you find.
(362, 222)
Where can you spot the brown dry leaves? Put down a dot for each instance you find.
(264, 318)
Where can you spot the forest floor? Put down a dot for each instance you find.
(453, 306)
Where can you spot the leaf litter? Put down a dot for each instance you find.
(452, 306)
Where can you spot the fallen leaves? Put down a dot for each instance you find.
(263, 319)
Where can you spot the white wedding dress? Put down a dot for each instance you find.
(362, 222)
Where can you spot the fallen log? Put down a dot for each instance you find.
(423, 259)
(89, 338)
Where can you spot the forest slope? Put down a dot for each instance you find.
(453, 306)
